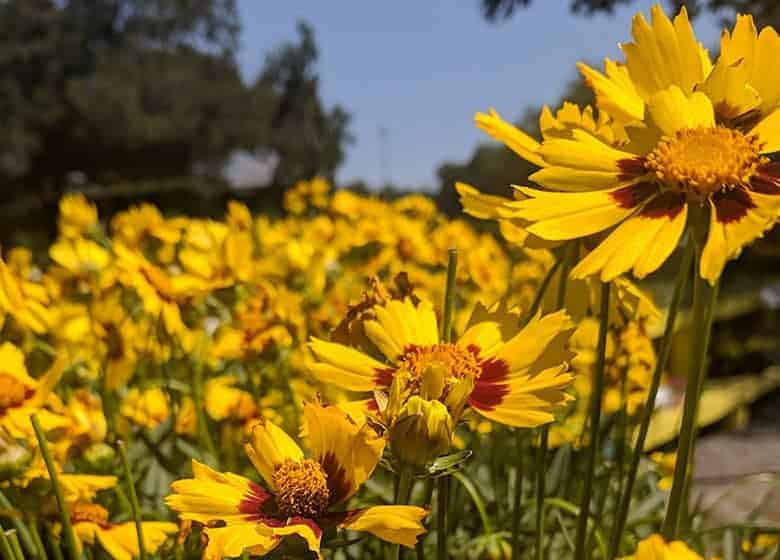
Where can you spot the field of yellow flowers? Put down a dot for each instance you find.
(364, 379)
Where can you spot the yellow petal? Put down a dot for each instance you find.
(269, 447)
(559, 216)
(615, 92)
(309, 531)
(643, 242)
(479, 205)
(514, 138)
(231, 541)
(584, 152)
(347, 452)
(534, 341)
(395, 524)
(768, 131)
(343, 366)
(671, 110)
(402, 323)
(737, 218)
(212, 496)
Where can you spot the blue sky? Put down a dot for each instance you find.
(421, 69)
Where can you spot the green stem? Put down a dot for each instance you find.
(36, 538)
(664, 350)
(13, 538)
(402, 497)
(449, 296)
(596, 398)
(704, 298)
(54, 542)
(204, 435)
(21, 528)
(139, 531)
(540, 293)
(5, 546)
(518, 493)
(442, 506)
(569, 252)
(67, 528)
(476, 497)
(541, 479)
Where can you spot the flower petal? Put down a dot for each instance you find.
(540, 341)
(561, 216)
(737, 218)
(400, 324)
(270, 447)
(671, 110)
(347, 452)
(768, 132)
(232, 540)
(394, 524)
(514, 138)
(522, 401)
(643, 242)
(615, 92)
(214, 496)
(343, 366)
(304, 528)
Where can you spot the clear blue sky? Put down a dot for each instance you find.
(421, 69)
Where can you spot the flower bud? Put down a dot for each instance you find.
(422, 432)
(14, 459)
(497, 549)
(100, 456)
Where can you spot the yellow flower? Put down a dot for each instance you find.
(140, 223)
(80, 257)
(21, 396)
(665, 462)
(25, 301)
(239, 515)
(77, 215)
(148, 408)
(226, 402)
(655, 547)
(516, 378)
(119, 540)
(696, 135)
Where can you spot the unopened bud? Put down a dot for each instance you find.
(422, 432)
(14, 459)
(458, 396)
(100, 456)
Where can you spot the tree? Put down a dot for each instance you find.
(121, 90)
(766, 12)
(308, 138)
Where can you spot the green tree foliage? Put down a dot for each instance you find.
(308, 138)
(766, 12)
(149, 89)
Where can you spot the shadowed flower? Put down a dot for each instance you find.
(119, 540)
(239, 515)
(509, 375)
(655, 547)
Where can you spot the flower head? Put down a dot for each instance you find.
(682, 140)
(509, 375)
(239, 515)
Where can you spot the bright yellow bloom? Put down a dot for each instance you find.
(119, 540)
(23, 300)
(77, 215)
(655, 547)
(239, 515)
(226, 402)
(666, 463)
(21, 396)
(148, 408)
(694, 140)
(516, 378)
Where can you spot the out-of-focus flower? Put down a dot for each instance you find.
(655, 547)
(147, 408)
(77, 215)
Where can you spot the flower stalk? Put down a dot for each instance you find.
(665, 348)
(595, 421)
(62, 506)
(136, 510)
(704, 300)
